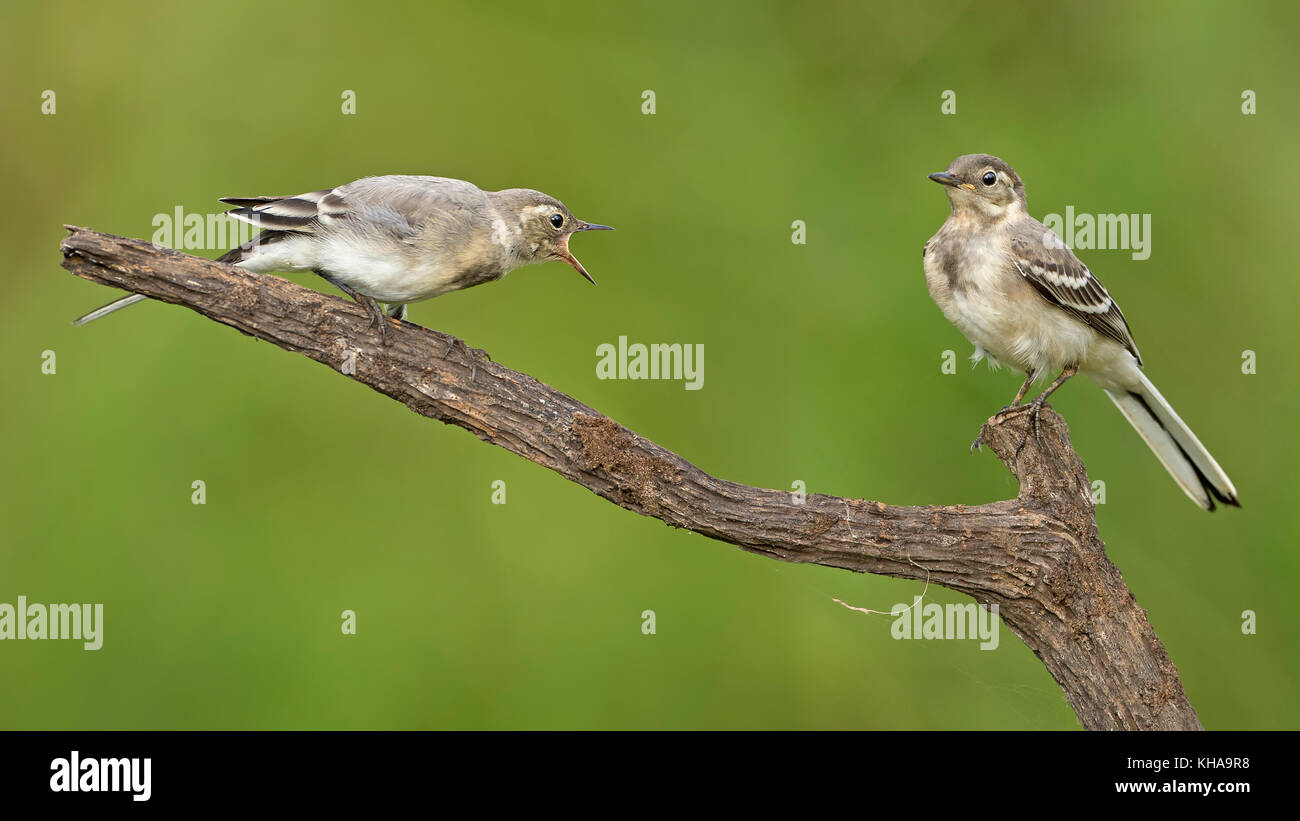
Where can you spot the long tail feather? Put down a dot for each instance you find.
(1174, 444)
(109, 308)
(234, 256)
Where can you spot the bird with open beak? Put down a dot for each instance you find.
(400, 239)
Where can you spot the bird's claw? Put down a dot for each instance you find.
(978, 444)
(1032, 408)
(472, 354)
(1035, 408)
(377, 319)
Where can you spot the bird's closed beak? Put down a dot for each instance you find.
(563, 251)
(944, 178)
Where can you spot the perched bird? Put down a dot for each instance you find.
(1025, 300)
(400, 239)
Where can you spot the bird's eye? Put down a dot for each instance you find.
(557, 220)
(990, 178)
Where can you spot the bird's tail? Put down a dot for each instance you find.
(233, 256)
(1174, 444)
(109, 308)
(240, 253)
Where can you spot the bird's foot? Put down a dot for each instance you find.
(1033, 408)
(377, 317)
(471, 354)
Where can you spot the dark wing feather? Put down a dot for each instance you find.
(249, 202)
(296, 213)
(1057, 274)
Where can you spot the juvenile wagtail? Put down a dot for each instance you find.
(1023, 299)
(400, 239)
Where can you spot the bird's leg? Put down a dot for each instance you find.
(398, 311)
(337, 283)
(367, 302)
(1013, 407)
(1033, 408)
(1070, 370)
(1037, 405)
(1024, 389)
(377, 317)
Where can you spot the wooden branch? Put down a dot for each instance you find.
(1038, 556)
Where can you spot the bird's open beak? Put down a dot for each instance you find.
(577, 266)
(944, 178)
(563, 251)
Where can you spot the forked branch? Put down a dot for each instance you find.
(1038, 556)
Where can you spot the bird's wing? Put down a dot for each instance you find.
(296, 213)
(398, 204)
(1057, 274)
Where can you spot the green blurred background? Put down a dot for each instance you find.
(823, 360)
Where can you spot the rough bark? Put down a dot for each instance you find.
(1038, 556)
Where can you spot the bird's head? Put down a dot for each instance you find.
(543, 227)
(983, 185)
